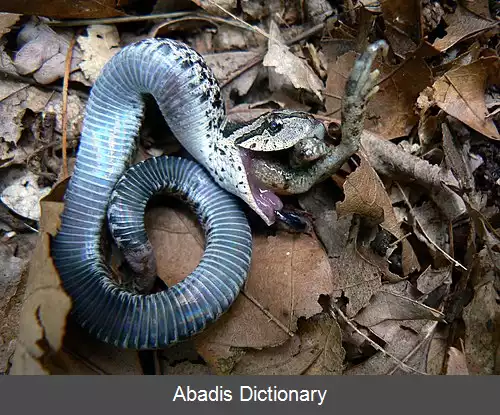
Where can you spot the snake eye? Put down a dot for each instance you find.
(274, 126)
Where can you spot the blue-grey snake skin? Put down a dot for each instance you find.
(188, 96)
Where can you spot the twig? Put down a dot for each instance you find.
(258, 59)
(253, 28)
(430, 331)
(32, 82)
(447, 256)
(117, 20)
(198, 16)
(268, 314)
(67, 71)
(334, 309)
(14, 92)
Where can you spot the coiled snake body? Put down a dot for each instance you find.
(189, 98)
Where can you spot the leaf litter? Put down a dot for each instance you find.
(398, 272)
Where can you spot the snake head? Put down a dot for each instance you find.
(278, 130)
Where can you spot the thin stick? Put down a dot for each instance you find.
(258, 59)
(268, 314)
(447, 256)
(118, 20)
(430, 331)
(334, 309)
(253, 28)
(67, 71)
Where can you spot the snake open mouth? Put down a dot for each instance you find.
(266, 201)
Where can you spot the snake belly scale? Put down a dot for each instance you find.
(189, 98)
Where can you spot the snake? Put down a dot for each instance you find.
(106, 188)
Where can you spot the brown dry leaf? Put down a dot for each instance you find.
(405, 325)
(479, 7)
(43, 320)
(402, 24)
(481, 318)
(316, 349)
(365, 195)
(390, 112)
(436, 230)
(457, 159)
(287, 69)
(83, 354)
(431, 279)
(216, 6)
(67, 9)
(461, 24)
(10, 279)
(43, 52)
(357, 272)
(99, 45)
(386, 305)
(288, 274)
(13, 109)
(437, 353)
(7, 20)
(15, 100)
(457, 364)
(46, 305)
(226, 64)
(258, 10)
(22, 195)
(358, 275)
(460, 93)
(407, 341)
(324, 333)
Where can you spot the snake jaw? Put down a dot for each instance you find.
(262, 200)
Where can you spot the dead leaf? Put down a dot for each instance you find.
(23, 196)
(216, 7)
(287, 69)
(316, 349)
(99, 45)
(479, 7)
(457, 159)
(43, 317)
(457, 364)
(431, 279)
(460, 92)
(437, 353)
(432, 230)
(357, 277)
(10, 280)
(386, 305)
(390, 112)
(66, 9)
(258, 10)
(7, 20)
(461, 25)
(225, 65)
(410, 345)
(287, 276)
(357, 271)
(481, 318)
(365, 195)
(318, 11)
(402, 25)
(43, 52)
